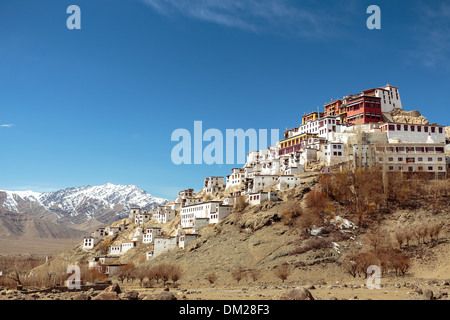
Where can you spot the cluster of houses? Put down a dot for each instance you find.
(353, 132)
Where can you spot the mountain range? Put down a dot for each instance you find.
(81, 208)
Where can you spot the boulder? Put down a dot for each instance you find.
(165, 296)
(427, 295)
(81, 296)
(130, 295)
(107, 296)
(297, 294)
(114, 288)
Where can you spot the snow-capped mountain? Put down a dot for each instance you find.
(105, 203)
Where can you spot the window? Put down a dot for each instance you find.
(390, 159)
(419, 129)
(399, 127)
(420, 168)
(400, 159)
(426, 129)
(430, 168)
(405, 127)
(440, 130)
(413, 128)
(391, 127)
(433, 129)
(439, 150)
(440, 168)
(439, 159)
(420, 159)
(391, 168)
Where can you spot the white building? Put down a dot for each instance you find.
(164, 214)
(236, 178)
(151, 233)
(127, 245)
(90, 242)
(142, 217)
(258, 198)
(164, 244)
(115, 249)
(333, 153)
(288, 182)
(184, 194)
(185, 239)
(133, 213)
(205, 211)
(413, 133)
(115, 230)
(212, 185)
(222, 212)
(192, 201)
(264, 162)
(403, 157)
(260, 182)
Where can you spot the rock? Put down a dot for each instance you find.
(165, 296)
(130, 295)
(113, 288)
(112, 295)
(427, 295)
(81, 296)
(297, 294)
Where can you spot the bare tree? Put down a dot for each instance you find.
(283, 271)
(238, 274)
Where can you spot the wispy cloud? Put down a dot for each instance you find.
(251, 15)
(433, 34)
(6, 125)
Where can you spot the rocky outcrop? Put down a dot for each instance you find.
(402, 116)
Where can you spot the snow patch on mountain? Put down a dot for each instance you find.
(87, 200)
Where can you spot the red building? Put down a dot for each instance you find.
(332, 108)
(363, 109)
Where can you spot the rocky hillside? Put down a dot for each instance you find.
(260, 239)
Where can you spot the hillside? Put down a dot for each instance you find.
(262, 238)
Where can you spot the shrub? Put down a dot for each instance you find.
(255, 274)
(289, 214)
(283, 271)
(238, 274)
(211, 277)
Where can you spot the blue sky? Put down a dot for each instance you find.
(99, 104)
